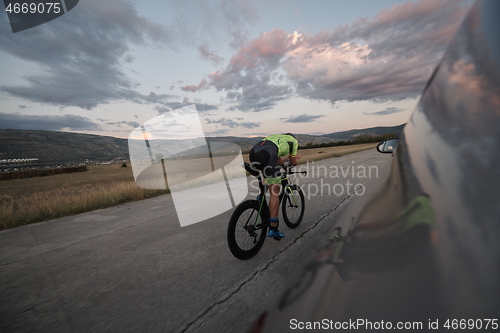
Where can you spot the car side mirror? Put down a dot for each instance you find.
(387, 146)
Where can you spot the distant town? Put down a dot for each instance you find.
(26, 164)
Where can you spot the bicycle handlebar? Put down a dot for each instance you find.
(302, 172)
(289, 168)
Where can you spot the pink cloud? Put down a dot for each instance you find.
(194, 88)
(268, 47)
(389, 56)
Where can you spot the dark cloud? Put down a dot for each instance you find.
(231, 123)
(23, 106)
(248, 79)
(133, 124)
(221, 131)
(384, 112)
(209, 55)
(119, 123)
(47, 123)
(259, 96)
(304, 118)
(81, 54)
(153, 97)
(205, 107)
(169, 106)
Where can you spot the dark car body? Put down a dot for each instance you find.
(426, 248)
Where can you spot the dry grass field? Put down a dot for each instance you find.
(316, 154)
(24, 201)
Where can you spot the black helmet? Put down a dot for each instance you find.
(291, 135)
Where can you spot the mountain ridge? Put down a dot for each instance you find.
(55, 146)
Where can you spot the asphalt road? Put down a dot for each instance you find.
(133, 268)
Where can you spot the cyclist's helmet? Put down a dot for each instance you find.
(291, 135)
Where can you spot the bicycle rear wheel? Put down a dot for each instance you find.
(293, 206)
(246, 231)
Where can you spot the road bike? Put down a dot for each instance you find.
(247, 229)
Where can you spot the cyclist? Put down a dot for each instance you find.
(268, 155)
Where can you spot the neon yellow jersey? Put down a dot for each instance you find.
(287, 144)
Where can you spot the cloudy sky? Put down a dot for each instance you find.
(250, 67)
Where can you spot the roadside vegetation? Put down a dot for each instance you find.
(356, 141)
(24, 201)
(30, 200)
(317, 154)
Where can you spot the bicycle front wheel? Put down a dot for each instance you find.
(293, 206)
(246, 232)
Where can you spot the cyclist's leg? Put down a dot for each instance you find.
(274, 201)
(274, 204)
(273, 179)
(272, 173)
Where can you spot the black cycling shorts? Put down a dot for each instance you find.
(264, 156)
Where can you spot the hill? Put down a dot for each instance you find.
(51, 146)
(373, 131)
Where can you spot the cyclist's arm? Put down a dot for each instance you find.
(294, 155)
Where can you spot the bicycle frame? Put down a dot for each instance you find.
(244, 223)
(262, 191)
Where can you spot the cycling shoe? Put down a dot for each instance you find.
(276, 234)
